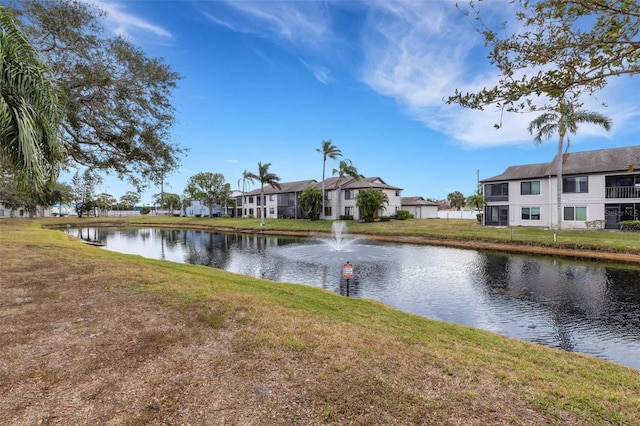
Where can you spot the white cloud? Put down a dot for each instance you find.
(123, 23)
(300, 23)
(322, 74)
(419, 53)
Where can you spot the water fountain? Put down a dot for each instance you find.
(334, 250)
(338, 242)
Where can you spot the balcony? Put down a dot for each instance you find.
(623, 192)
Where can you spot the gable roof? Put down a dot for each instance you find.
(364, 183)
(416, 201)
(598, 161)
(329, 184)
(284, 187)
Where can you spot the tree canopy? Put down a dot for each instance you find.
(208, 188)
(31, 146)
(456, 200)
(558, 51)
(370, 201)
(84, 188)
(118, 110)
(311, 202)
(328, 150)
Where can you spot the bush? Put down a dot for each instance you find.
(479, 218)
(385, 219)
(145, 210)
(630, 225)
(346, 217)
(403, 215)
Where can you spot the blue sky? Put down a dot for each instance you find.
(269, 81)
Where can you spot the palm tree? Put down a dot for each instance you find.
(565, 119)
(246, 180)
(264, 177)
(328, 150)
(345, 168)
(31, 145)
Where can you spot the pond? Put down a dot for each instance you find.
(576, 306)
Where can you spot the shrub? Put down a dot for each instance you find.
(479, 217)
(403, 215)
(630, 225)
(385, 219)
(145, 210)
(346, 217)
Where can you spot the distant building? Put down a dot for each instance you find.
(420, 208)
(341, 198)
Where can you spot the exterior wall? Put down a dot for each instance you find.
(422, 212)
(395, 202)
(197, 208)
(271, 204)
(22, 212)
(346, 205)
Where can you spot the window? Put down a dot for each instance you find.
(496, 192)
(348, 211)
(329, 195)
(250, 200)
(272, 211)
(397, 193)
(250, 212)
(272, 197)
(348, 194)
(327, 211)
(575, 213)
(530, 213)
(530, 188)
(575, 184)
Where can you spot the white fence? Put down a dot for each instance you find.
(457, 214)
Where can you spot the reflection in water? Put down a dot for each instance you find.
(570, 305)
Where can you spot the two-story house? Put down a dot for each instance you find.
(279, 202)
(340, 198)
(601, 185)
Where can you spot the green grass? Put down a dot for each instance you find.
(355, 361)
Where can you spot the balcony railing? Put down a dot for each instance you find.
(623, 192)
(496, 197)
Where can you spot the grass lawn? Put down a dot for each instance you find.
(94, 337)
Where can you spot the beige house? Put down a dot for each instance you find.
(420, 208)
(280, 203)
(599, 189)
(341, 198)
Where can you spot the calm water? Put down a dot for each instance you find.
(576, 306)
